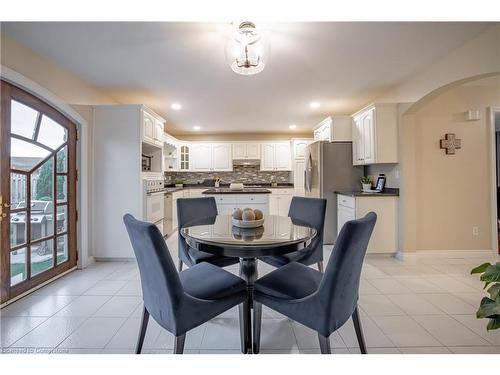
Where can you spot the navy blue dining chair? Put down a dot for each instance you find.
(178, 302)
(310, 212)
(192, 209)
(322, 302)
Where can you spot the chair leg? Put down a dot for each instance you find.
(359, 331)
(245, 327)
(142, 332)
(324, 344)
(179, 344)
(179, 265)
(257, 323)
(320, 266)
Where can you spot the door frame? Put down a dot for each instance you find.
(8, 292)
(83, 156)
(493, 171)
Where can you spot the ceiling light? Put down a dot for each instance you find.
(196, 127)
(176, 106)
(292, 126)
(314, 104)
(247, 50)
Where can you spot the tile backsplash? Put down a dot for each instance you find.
(240, 173)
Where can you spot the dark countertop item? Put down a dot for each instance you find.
(388, 192)
(244, 191)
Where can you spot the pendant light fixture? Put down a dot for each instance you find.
(247, 50)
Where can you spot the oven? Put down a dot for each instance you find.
(154, 206)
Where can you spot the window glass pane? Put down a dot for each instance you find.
(62, 189)
(42, 256)
(25, 155)
(18, 270)
(62, 249)
(62, 219)
(17, 190)
(62, 160)
(23, 119)
(17, 228)
(51, 133)
(42, 189)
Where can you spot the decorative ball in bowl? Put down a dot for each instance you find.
(247, 218)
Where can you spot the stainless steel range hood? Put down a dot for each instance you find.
(247, 162)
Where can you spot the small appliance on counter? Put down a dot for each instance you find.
(236, 186)
(146, 163)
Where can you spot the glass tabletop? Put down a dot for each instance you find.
(277, 231)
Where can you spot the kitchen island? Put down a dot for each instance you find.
(228, 200)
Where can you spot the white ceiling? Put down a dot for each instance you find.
(342, 65)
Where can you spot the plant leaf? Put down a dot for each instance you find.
(488, 308)
(480, 269)
(491, 274)
(494, 291)
(493, 324)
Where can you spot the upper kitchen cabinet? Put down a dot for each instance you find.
(152, 128)
(333, 128)
(184, 157)
(374, 133)
(245, 150)
(299, 148)
(208, 157)
(276, 156)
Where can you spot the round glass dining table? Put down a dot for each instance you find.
(278, 235)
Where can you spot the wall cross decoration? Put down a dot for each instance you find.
(450, 143)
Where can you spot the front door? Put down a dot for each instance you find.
(37, 192)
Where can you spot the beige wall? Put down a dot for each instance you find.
(242, 136)
(444, 196)
(480, 55)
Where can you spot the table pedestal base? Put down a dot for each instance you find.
(248, 272)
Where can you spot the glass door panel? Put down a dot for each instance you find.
(42, 256)
(18, 266)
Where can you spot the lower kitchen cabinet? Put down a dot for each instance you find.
(227, 203)
(279, 201)
(385, 234)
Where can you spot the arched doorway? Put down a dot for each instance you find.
(38, 192)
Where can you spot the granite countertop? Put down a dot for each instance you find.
(172, 188)
(388, 192)
(251, 190)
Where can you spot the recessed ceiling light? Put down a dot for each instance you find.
(314, 104)
(176, 106)
(293, 126)
(196, 127)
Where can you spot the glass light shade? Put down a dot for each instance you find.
(247, 52)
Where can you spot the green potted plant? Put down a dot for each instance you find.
(179, 182)
(490, 306)
(366, 182)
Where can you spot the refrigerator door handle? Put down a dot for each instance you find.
(308, 173)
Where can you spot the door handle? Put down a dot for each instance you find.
(2, 206)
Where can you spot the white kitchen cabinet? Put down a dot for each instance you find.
(243, 150)
(207, 157)
(221, 157)
(175, 196)
(184, 157)
(299, 148)
(384, 238)
(279, 201)
(333, 129)
(375, 135)
(298, 177)
(201, 157)
(152, 128)
(227, 203)
(276, 157)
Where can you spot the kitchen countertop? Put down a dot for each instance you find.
(173, 188)
(388, 192)
(250, 190)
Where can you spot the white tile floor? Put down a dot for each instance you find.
(424, 304)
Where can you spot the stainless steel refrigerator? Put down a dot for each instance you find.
(329, 168)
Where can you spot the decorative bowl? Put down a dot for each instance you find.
(247, 224)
